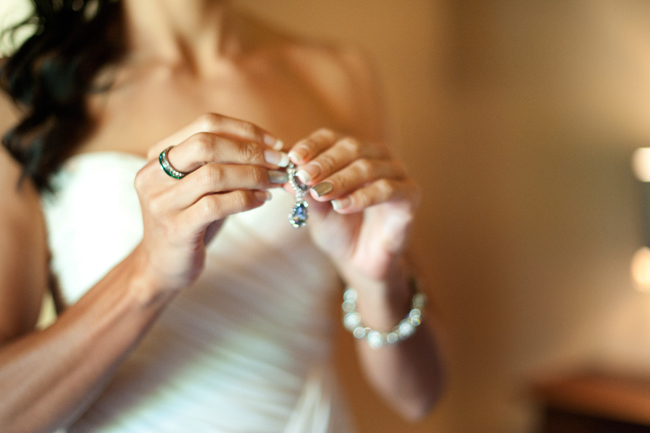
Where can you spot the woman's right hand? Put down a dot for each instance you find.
(230, 164)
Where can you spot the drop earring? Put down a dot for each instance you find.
(299, 212)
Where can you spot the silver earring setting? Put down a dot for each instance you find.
(299, 212)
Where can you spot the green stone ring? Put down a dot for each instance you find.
(167, 167)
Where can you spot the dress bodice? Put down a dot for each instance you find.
(245, 349)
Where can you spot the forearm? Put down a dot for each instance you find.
(48, 378)
(409, 374)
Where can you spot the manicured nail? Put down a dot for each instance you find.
(297, 155)
(273, 142)
(308, 172)
(274, 157)
(323, 188)
(341, 203)
(278, 176)
(263, 195)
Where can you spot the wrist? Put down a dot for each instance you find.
(146, 285)
(381, 302)
(376, 338)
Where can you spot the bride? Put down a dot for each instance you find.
(152, 152)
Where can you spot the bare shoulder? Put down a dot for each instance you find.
(345, 79)
(23, 250)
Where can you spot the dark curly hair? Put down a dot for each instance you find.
(50, 76)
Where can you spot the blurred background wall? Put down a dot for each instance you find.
(519, 120)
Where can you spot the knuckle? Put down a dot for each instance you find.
(351, 145)
(209, 207)
(140, 180)
(241, 128)
(156, 205)
(210, 121)
(211, 174)
(361, 199)
(258, 175)
(343, 183)
(247, 129)
(325, 133)
(143, 175)
(385, 188)
(326, 162)
(251, 152)
(365, 167)
(241, 199)
(202, 143)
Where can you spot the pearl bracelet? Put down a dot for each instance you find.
(404, 329)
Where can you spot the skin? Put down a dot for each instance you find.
(189, 60)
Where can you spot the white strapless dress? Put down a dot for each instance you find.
(245, 349)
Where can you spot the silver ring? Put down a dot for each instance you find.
(167, 167)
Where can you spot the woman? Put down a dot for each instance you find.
(191, 304)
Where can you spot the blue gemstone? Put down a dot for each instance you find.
(298, 216)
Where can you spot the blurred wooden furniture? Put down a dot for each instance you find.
(595, 402)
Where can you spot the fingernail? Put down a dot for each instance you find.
(308, 172)
(341, 203)
(274, 157)
(273, 142)
(297, 155)
(323, 188)
(278, 176)
(263, 195)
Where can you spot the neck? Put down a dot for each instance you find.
(188, 32)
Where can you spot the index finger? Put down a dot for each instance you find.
(218, 124)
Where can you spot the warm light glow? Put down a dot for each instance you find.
(641, 269)
(641, 163)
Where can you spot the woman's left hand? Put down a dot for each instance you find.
(373, 200)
